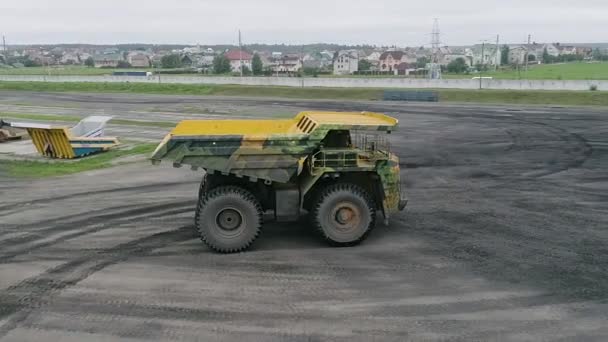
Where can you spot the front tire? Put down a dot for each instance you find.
(229, 219)
(344, 214)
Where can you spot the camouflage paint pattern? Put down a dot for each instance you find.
(280, 156)
(275, 157)
(390, 175)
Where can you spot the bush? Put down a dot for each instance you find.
(123, 64)
(171, 61)
(593, 87)
(458, 66)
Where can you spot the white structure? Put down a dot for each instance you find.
(517, 54)
(346, 62)
(552, 50)
(236, 57)
(491, 54)
(287, 64)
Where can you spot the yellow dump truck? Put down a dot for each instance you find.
(333, 165)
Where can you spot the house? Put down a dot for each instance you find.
(238, 58)
(491, 54)
(107, 60)
(535, 51)
(70, 59)
(318, 60)
(517, 54)
(374, 60)
(287, 64)
(584, 51)
(390, 59)
(186, 60)
(566, 49)
(204, 61)
(139, 60)
(346, 62)
(552, 49)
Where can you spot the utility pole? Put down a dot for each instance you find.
(240, 53)
(527, 52)
(498, 54)
(483, 46)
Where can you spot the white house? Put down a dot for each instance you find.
(491, 54)
(70, 58)
(517, 54)
(552, 49)
(236, 57)
(287, 64)
(346, 62)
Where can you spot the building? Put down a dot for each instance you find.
(552, 49)
(318, 60)
(139, 60)
(70, 58)
(238, 58)
(517, 54)
(346, 62)
(490, 57)
(566, 49)
(186, 60)
(107, 60)
(389, 60)
(287, 64)
(584, 51)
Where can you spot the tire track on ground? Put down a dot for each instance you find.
(20, 300)
(140, 188)
(97, 224)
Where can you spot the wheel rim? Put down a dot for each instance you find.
(229, 220)
(346, 216)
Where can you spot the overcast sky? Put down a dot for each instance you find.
(380, 22)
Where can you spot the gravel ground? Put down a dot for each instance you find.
(504, 238)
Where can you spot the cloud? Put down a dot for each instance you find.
(383, 22)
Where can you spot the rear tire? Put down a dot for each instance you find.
(344, 214)
(229, 219)
(202, 189)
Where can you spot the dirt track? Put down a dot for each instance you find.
(505, 238)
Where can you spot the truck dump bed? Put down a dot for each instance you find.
(273, 150)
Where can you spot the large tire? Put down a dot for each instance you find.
(344, 214)
(202, 189)
(229, 219)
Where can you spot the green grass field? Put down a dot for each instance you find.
(37, 169)
(68, 70)
(563, 71)
(578, 98)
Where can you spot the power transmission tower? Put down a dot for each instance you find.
(4, 45)
(434, 66)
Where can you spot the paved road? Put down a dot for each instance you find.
(504, 239)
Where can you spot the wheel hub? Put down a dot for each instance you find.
(229, 219)
(346, 216)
